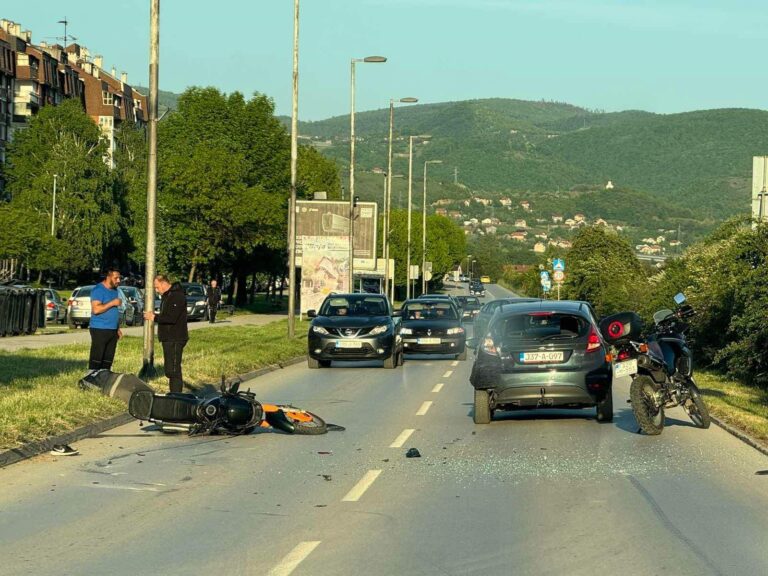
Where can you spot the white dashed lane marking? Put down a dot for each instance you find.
(294, 558)
(424, 408)
(448, 374)
(438, 387)
(455, 363)
(400, 440)
(360, 488)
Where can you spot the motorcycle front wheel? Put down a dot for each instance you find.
(696, 409)
(642, 393)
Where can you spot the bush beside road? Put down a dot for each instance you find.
(39, 396)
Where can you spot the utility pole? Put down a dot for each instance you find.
(148, 369)
(410, 195)
(53, 210)
(294, 159)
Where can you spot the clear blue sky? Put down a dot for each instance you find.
(656, 55)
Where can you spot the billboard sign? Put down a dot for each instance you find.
(331, 219)
(325, 269)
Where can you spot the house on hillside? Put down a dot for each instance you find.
(601, 222)
(455, 214)
(466, 203)
(518, 236)
(580, 218)
(505, 201)
(570, 222)
(520, 223)
(526, 205)
(474, 221)
(491, 229)
(441, 212)
(486, 222)
(442, 202)
(539, 248)
(557, 218)
(483, 201)
(542, 235)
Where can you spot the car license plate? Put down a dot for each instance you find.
(539, 357)
(626, 368)
(428, 341)
(349, 343)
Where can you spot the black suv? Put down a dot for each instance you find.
(543, 354)
(477, 289)
(354, 327)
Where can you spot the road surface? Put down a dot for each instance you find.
(532, 493)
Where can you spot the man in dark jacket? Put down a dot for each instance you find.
(171, 327)
(214, 298)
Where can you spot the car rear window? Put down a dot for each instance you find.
(542, 326)
(429, 311)
(83, 292)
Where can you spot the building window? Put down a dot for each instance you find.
(106, 122)
(106, 98)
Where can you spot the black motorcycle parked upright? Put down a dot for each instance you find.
(659, 364)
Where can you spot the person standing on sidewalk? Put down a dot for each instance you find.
(104, 325)
(171, 328)
(214, 298)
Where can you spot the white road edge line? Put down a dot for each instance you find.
(294, 558)
(360, 488)
(438, 387)
(424, 408)
(400, 440)
(448, 374)
(455, 363)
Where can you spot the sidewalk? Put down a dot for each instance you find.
(79, 335)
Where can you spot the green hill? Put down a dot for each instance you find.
(697, 160)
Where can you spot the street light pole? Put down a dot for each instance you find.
(408, 207)
(368, 59)
(294, 161)
(148, 369)
(388, 201)
(424, 228)
(53, 210)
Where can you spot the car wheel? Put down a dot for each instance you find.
(312, 363)
(482, 412)
(605, 408)
(391, 362)
(462, 356)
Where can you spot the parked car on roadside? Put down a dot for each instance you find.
(79, 308)
(542, 354)
(136, 300)
(433, 326)
(55, 307)
(354, 327)
(197, 305)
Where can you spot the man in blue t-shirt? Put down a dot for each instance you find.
(105, 321)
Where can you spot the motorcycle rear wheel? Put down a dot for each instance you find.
(696, 409)
(301, 425)
(650, 418)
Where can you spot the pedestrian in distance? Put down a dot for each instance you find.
(171, 328)
(104, 325)
(214, 299)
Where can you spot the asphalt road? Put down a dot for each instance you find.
(534, 493)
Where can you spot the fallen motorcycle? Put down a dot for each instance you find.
(231, 411)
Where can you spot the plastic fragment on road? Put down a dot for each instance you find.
(413, 453)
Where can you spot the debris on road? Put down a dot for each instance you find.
(413, 453)
(64, 450)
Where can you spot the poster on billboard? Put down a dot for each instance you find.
(331, 219)
(325, 269)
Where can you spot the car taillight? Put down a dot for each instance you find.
(69, 302)
(623, 355)
(50, 305)
(489, 347)
(593, 340)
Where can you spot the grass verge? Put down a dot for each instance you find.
(743, 407)
(39, 396)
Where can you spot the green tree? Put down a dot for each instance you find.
(62, 140)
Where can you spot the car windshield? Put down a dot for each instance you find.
(437, 310)
(361, 305)
(542, 326)
(471, 300)
(194, 291)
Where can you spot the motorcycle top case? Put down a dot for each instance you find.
(621, 327)
(113, 384)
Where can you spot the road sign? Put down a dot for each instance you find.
(328, 218)
(414, 271)
(558, 275)
(428, 266)
(558, 264)
(427, 275)
(544, 275)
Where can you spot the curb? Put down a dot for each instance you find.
(36, 448)
(743, 436)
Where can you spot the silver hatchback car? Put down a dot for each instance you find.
(79, 308)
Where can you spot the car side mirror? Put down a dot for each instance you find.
(397, 314)
(311, 313)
